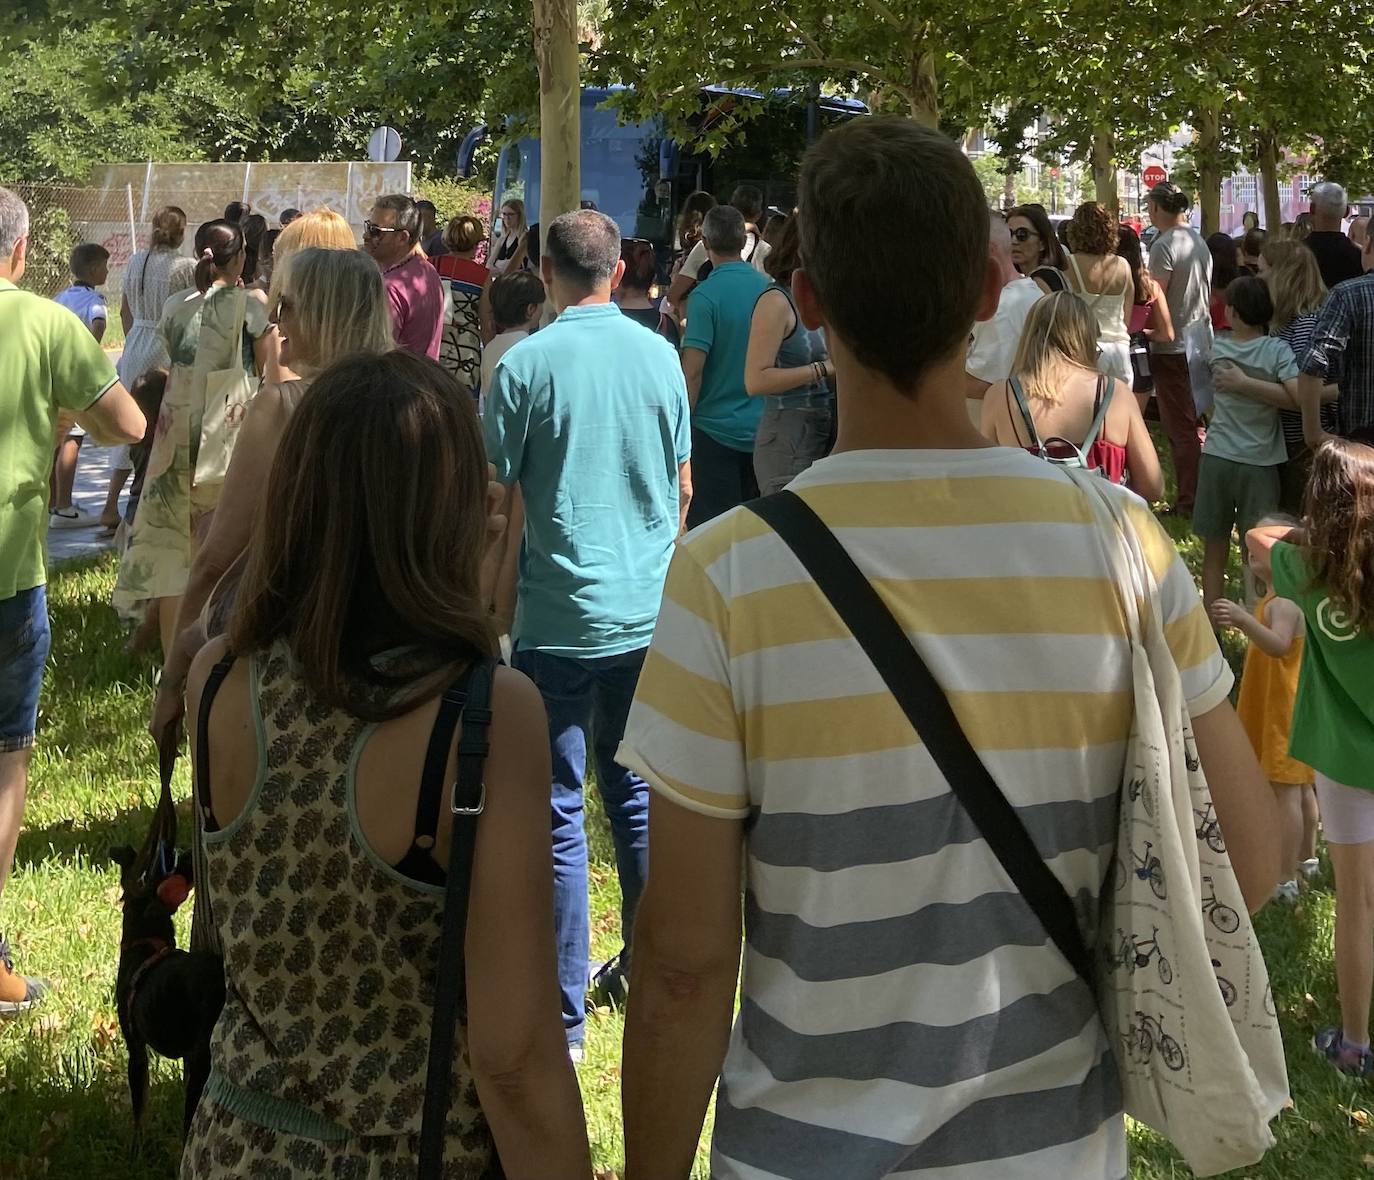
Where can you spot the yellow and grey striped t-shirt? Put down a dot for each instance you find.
(903, 1012)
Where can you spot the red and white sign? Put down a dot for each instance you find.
(1154, 175)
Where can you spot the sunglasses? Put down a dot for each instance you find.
(372, 230)
(284, 304)
(1021, 234)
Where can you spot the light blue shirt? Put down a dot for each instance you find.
(590, 417)
(1244, 430)
(85, 302)
(719, 313)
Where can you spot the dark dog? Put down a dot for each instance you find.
(168, 999)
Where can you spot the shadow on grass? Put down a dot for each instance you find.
(90, 838)
(69, 1116)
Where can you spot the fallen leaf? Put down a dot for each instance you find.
(49, 1022)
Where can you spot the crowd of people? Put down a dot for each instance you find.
(363, 473)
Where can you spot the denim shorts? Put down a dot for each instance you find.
(24, 642)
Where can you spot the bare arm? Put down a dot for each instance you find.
(679, 289)
(693, 365)
(1233, 379)
(114, 417)
(1159, 329)
(682, 990)
(1310, 398)
(1247, 808)
(773, 321)
(684, 494)
(519, 1053)
(98, 329)
(126, 315)
(1142, 460)
(1277, 639)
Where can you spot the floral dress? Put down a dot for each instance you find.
(194, 327)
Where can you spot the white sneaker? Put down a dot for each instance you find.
(1310, 868)
(1287, 892)
(575, 1053)
(74, 517)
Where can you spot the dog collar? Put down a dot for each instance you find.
(165, 948)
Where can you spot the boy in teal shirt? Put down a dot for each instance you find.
(714, 346)
(1238, 482)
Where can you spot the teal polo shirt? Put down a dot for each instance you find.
(590, 417)
(719, 313)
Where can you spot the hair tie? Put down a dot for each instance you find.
(207, 255)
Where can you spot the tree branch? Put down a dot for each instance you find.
(886, 14)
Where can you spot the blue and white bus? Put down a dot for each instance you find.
(639, 176)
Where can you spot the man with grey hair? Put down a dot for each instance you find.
(49, 362)
(1338, 258)
(994, 341)
(589, 418)
(715, 344)
(414, 292)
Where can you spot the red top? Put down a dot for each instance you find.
(415, 297)
(1219, 321)
(464, 270)
(1109, 457)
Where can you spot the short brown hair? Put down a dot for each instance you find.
(1092, 230)
(370, 536)
(894, 238)
(169, 226)
(463, 233)
(511, 296)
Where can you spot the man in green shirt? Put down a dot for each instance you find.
(48, 361)
(724, 417)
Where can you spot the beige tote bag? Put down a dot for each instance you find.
(1183, 989)
(227, 394)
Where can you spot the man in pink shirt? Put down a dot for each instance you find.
(414, 291)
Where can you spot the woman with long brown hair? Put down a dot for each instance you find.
(324, 757)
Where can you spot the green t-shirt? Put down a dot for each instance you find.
(1244, 430)
(48, 361)
(589, 416)
(1333, 720)
(719, 313)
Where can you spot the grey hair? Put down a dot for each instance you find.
(340, 305)
(14, 221)
(1329, 198)
(583, 247)
(407, 215)
(723, 229)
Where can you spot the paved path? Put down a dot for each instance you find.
(92, 485)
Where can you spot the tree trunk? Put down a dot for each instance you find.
(1009, 188)
(1104, 168)
(1269, 177)
(925, 89)
(1208, 156)
(560, 109)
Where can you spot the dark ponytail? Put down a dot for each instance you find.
(218, 243)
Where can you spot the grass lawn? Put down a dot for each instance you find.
(64, 1109)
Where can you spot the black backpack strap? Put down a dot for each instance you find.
(207, 700)
(928, 709)
(432, 776)
(468, 801)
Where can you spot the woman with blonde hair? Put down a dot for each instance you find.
(465, 282)
(330, 302)
(1102, 279)
(510, 253)
(1056, 401)
(1295, 285)
(321, 229)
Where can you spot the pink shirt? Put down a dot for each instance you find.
(415, 296)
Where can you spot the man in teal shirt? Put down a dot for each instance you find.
(48, 361)
(724, 416)
(590, 418)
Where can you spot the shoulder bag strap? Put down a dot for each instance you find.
(1106, 386)
(1015, 386)
(930, 714)
(468, 802)
(204, 936)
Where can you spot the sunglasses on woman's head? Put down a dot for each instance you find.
(1021, 234)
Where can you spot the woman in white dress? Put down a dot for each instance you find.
(151, 276)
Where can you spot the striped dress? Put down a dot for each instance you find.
(902, 1011)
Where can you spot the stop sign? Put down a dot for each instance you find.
(1154, 175)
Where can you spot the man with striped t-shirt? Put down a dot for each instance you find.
(902, 1010)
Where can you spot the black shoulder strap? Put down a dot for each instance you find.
(468, 802)
(207, 700)
(436, 761)
(930, 714)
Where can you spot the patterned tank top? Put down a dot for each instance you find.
(329, 952)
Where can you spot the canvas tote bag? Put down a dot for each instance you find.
(1183, 989)
(227, 394)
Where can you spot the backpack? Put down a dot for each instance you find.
(708, 266)
(1060, 451)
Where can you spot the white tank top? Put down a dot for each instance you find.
(1106, 307)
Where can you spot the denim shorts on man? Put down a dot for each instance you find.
(24, 643)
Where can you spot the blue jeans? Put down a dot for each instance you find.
(589, 696)
(24, 642)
